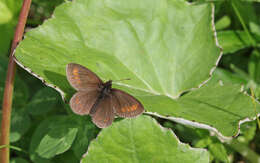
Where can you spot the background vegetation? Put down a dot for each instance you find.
(168, 49)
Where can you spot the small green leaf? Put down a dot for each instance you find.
(141, 139)
(223, 23)
(248, 132)
(254, 66)
(5, 14)
(56, 141)
(232, 41)
(43, 101)
(53, 136)
(218, 151)
(248, 13)
(226, 76)
(20, 123)
(86, 132)
(9, 12)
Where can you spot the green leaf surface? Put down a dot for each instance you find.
(53, 136)
(219, 107)
(226, 76)
(223, 23)
(56, 141)
(254, 66)
(141, 139)
(248, 13)
(9, 12)
(20, 123)
(157, 44)
(248, 132)
(165, 47)
(19, 160)
(232, 41)
(219, 151)
(86, 132)
(5, 14)
(21, 92)
(67, 157)
(43, 101)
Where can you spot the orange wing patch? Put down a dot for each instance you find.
(129, 108)
(75, 72)
(77, 101)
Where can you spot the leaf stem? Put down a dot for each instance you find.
(13, 147)
(252, 40)
(9, 84)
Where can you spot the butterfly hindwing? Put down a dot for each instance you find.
(82, 101)
(125, 105)
(82, 78)
(104, 114)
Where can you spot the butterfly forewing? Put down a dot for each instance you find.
(82, 101)
(125, 105)
(104, 115)
(82, 78)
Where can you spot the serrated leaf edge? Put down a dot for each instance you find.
(213, 130)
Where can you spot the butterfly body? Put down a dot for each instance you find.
(98, 99)
(105, 90)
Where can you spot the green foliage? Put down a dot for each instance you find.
(53, 136)
(42, 102)
(20, 123)
(19, 160)
(8, 20)
(21, 92)
(168, 49)
(113, 35)
(141, 140)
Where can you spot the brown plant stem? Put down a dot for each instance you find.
(9, 84)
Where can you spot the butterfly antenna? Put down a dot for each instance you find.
(121, 80)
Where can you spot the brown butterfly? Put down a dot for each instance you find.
(98, 99)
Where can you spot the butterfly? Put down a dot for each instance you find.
(99, 99)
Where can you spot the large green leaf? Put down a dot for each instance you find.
(158, 44)
(141, 140)
(220, 108)
(165, 47)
